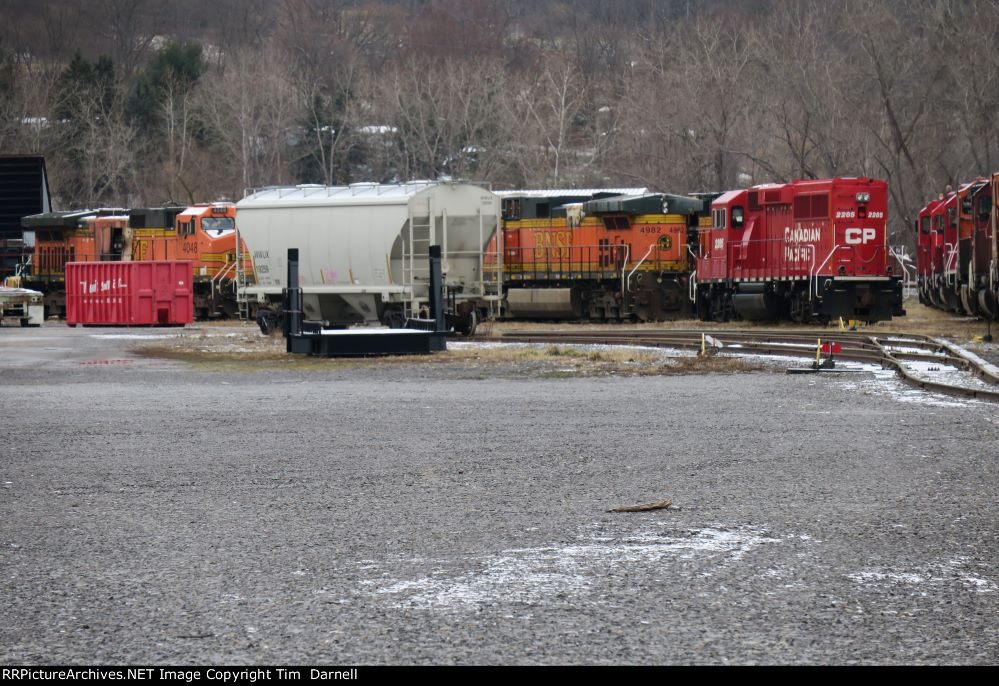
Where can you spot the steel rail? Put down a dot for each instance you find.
(856, 346)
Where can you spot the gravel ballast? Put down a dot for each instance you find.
(152, 511)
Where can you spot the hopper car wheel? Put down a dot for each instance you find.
(394, 319)
(471, 323)
(268, 320)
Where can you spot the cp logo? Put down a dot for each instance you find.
(860, 236)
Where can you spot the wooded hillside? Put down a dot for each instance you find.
(138, 102)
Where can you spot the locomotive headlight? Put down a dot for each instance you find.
(863, 197)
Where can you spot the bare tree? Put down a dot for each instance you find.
(897, 101)
(126, 28)
(108, 147)
(178, 113)
(250, 106)
(549, 113)
(969, 31)
(449, 117)
(803, 79)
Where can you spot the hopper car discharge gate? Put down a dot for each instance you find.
(420, 337)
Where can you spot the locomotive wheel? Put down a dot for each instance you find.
(797, 308)
(969, 302)
(987, 304)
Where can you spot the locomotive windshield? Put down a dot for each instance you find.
(720, 218)
(218, 226)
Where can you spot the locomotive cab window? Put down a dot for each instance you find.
(984, 207)
(511, 208)
(618, 222)
(719, 217)
(738, 218)
(926, 224)
(218, 226)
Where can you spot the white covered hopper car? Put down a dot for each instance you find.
(363, 248)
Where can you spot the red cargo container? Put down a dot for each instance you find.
(129, 293)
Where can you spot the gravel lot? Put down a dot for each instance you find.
(152, 511)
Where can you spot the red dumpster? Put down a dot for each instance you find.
(154, 293)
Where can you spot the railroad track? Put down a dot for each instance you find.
(889, 351)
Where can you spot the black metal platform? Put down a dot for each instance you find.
(367, 343)
(309, 338)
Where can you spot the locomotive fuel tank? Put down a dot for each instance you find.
(543, 303)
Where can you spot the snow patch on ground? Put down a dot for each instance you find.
(886, 382)
(552, 573)
(969, 355)
(134, 336)
(952, 572)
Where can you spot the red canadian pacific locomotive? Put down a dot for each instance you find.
(805, 251)
(957, 250)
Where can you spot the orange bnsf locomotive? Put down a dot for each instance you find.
(599, 255)
(75, 236)
(203, 234)
(805, 251)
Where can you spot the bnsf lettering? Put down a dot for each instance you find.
(553, 243)
(860, 236)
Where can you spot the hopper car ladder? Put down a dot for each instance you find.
(421, 234)
(242, 301)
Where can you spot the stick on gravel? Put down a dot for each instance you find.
(648, 507)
